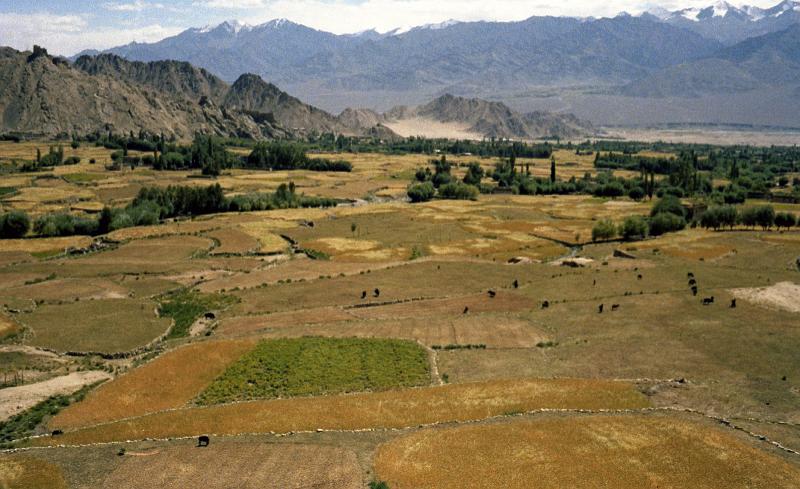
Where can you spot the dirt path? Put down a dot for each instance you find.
(14, 400)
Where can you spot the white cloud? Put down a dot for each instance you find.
(135, 6)
(69, 34)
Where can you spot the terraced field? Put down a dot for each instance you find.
(442, 344)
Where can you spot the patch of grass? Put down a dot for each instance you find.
(25, 423)
(316, 255)
(83, 177)
(547, 344)
(185, 307)
(7, 191)
(459, 347)
(312, 366)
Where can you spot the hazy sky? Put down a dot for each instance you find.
(68, 26)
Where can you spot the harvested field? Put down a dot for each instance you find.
(216, 466)
(319, 366)
(233, 241)
(151, 251)
(248, 324)
(170, 381)
(453, 306)
(44, 245)
(783, 295)
(169, 229)
(264, 233)
(26, 472)
(108, 326)
(7, 326)
(581, 452)
(14, 400)
(391, 409)
(68, 290)
(492, 330)
(424, 279)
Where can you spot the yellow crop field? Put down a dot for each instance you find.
(581, 452)
(26, 472)
(391, 409)
(295, 465)
(170, 381)
(44, 245)
(233, 241)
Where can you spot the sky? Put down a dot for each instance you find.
(66, 27)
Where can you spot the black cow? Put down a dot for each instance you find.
(690, 275)
(594, 282)
(640, 277)
(203, 441)
(377, 293)
(694, 290)
(692, 282)
(210, 316)
(600, 309)
(363, 295)
(545, 304)
(733, 303)
(57, 433)
(466, 310)
(492, 294)
(516, 284)
(614, 307)
(708, 301)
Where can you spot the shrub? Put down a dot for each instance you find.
(785, 220)
(669, 204)
(666, 222)
(636, 193)
(458, 191)
(474, 174)
(15, 224)
(421, 192)
(765, 216)
(604, 230)
(634, 227)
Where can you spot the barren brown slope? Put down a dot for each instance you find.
(42, 95)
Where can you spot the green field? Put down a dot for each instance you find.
(314, 366)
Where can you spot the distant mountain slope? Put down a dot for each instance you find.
(540, 50)
(730, 24)
(771, 60)
(172, 77)
(484, 119)
(41, 95)
(252, 94)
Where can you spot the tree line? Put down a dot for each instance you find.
(151, 206)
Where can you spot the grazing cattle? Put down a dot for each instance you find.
(594, 282)
(377, 293)
(516, 284)
(466, 310)
(692, 282)
(614, 307)
(639, 277)
(600, 309)
(492, 294)
(545, 304)
(708, 301)
(57, 433)
(690, 275)
(694, 290)
(733, 303)
(363, 294)
(210, 316)
(203, 441)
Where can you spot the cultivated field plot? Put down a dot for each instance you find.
(390, 409)
(233, 241)
(107, 326)
(581, 452)
(170, 381)
(490, 330)
(26, 472)
(319, 366)
(252, 466)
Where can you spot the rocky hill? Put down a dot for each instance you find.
(42, 95)
(487, 119)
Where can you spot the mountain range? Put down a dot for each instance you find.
(48, 96)
(719, 64)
